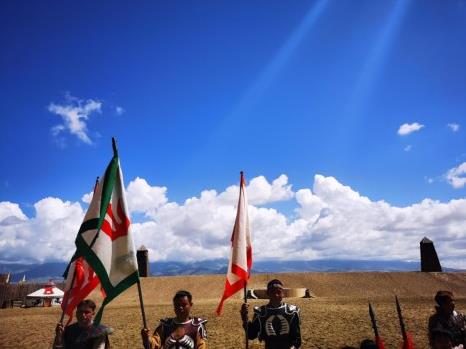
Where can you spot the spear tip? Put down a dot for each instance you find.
(114, 146)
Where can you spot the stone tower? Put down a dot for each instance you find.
(142, 255)
(429, 258)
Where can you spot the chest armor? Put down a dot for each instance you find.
(182, 335)
(275, 322)
(456, 324)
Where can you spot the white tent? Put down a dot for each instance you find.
(46, 296)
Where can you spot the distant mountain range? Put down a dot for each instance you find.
(43, 272)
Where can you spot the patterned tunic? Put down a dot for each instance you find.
(171, 334)
(455, 323)
(278, 327)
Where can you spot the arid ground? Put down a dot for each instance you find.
(337, 316)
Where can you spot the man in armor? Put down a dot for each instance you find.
(447, 319)
(82, 334)
(276, 323)
(180, 332)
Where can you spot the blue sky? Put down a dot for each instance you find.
(194, 92)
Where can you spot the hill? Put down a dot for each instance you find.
(45, 271)
(337, 316)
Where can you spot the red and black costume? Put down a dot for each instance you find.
(171, 334)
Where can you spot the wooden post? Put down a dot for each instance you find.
(143, 313)
(246, 327)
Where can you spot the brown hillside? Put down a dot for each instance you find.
(338, 315)
(359, 285)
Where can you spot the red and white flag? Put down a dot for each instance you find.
(80, 280)
(239, 268)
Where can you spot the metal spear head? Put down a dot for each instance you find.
(400, 317)
(373, 320)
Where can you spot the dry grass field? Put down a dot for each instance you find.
(337, 316)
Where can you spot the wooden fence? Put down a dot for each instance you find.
(15, 294)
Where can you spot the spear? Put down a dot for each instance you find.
(407, 340)
(378, 340)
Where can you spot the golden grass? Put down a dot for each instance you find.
(338, 315)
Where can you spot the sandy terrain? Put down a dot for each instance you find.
(338, 315)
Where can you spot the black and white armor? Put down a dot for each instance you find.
(278, 327)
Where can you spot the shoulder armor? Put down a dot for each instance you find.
(166, 321)
(291, 309)
(260, 311)
(100, 331)
(197, 321)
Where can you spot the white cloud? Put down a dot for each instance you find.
(457, 176)
(331, 220)
(74, 113)
(119, 110)
(9, 209)
(406, 129)
(144, 198)
(48, 236)
(454, 127)
(408, 148)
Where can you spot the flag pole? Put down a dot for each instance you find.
(143, 313)
(241, 173)
(66, 305)
(63, 312)
(245, 301)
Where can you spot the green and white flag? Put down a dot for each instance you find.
(105, 238)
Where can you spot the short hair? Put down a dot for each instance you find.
(181, 294)
(368, 344)
(274, 283)
(87, 303)
(443, 296)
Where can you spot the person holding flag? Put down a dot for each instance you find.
(276, 323)
(82, 334)
(105, 252)
(180, 332)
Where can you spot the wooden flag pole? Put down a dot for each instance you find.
(246, 327)
(73, 278)
(143, 313)
(55, 344)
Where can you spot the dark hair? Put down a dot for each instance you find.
(273, 283)
(368, 344)
(443, 296)
(441, 332)
(181, 294)
(87, 303)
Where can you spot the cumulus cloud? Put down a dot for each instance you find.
(331, 220)
(119, 110)
(406, 129)
(144, 198)
(408, 148)
(48, 236)
(74, 113)
(9, 209)
(454, 127)
(457, 176)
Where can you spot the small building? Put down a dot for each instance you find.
(47, 296)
